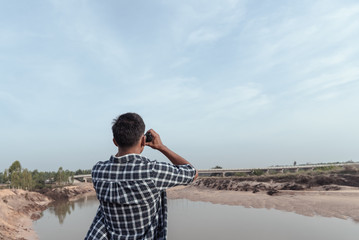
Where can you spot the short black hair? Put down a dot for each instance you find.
(127, 129)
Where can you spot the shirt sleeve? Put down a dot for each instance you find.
(98, 229)
(166, 175)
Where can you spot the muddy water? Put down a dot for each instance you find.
(201, 220)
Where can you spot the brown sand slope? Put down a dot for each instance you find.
(17, 210)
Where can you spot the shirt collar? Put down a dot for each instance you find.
(125, 158)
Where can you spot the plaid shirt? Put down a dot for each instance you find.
(131, 191)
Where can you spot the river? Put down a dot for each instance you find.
(202, 220)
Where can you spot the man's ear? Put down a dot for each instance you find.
(114, 141)
(143, 141)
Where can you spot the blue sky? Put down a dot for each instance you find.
(229, 83)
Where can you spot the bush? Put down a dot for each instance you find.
(258, 172)
(324, 169)
(240, 174)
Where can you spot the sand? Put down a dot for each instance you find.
(17, 210)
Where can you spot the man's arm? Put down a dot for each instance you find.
(157, 144)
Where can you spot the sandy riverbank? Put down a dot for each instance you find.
(19, 208)
(341, 203)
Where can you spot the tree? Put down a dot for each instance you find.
(68, 176)
(15, 167)
(217, 167)
(15, 174)
(26, 180)
(39, 179)
(60, 176)
(6, 176)
(80, 171)
(15, 180)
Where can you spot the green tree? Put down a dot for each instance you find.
(15, 174)
(26, 180)
(60, 176)
(38, 179)
(69, 176)
(81, 172)
(15, 167)
(217, 167)
(15, 180)
(6, 176)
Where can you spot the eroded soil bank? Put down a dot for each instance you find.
(70, 193)
(272, 184)
(18, 208)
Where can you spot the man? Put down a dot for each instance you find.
(131, 188)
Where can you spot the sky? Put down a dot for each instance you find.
(239, 84)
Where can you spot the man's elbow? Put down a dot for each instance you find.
(196, 176)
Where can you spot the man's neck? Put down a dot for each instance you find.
(123, 152)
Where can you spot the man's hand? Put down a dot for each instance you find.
(156, 142)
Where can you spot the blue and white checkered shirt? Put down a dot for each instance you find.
(131, 191)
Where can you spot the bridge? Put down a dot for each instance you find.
(230, 172)
(82, 178)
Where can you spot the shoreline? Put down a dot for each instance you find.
(341, 204)
(304, 196)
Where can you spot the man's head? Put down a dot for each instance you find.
(128, 129)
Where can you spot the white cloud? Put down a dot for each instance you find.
(344, 13)
(327, 96)
(82, 25)
(203, 35)
(179, 62)
(237, 102)
(166, 93)
(200, 22)
(327, 81)
(9, 99)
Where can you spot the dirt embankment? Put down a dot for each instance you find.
(273, 184)
(18, 208)
(70, 193)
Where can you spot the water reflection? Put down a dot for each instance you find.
(67, 220)
(202, 220)
(63, 208)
